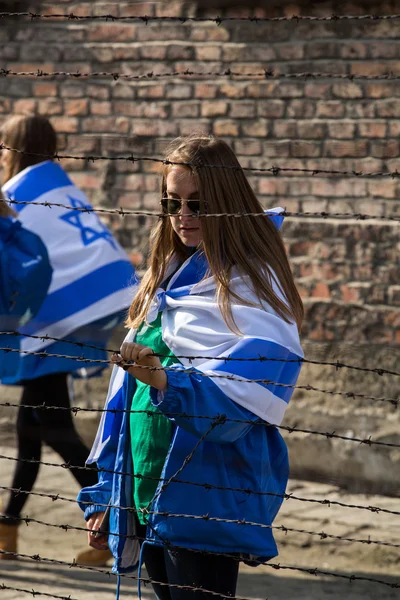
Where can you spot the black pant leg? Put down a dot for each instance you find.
(209, 571)
(29, 447)
(57, 426)
(153, 558)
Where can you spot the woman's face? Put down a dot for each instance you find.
(181, 185)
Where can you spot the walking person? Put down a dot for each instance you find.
(91, 286)
(201, 432)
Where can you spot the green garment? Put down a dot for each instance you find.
(150, 435)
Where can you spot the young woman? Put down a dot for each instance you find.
(85, 301)
(200, 433)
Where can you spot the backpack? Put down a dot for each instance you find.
(25, 276)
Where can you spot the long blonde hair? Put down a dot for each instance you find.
(28, 133)
(251, 244)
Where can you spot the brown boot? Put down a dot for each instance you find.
(93, 558)
(8, 540)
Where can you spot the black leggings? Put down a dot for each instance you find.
(52, 426)
(185, 568)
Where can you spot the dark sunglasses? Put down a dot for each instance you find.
(173, 206)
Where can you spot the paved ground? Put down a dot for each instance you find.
(302, 550)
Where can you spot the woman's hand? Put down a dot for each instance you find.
(98, 541)
(141, 356)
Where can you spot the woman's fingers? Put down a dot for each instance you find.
(134, 352)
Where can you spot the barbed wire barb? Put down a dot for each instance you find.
(218, 20)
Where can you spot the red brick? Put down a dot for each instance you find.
(24, 106)
(300, 149)
(322, 50)
(341, 129)
(205, 90)
(45, 88)
(227, 127)
(257, 128)
(185, 109)
(74, 108)
(360, 110)
(311, 130)
(291, 51)
(180, 52)
(284, 129)
(385, 149)
(179, 91)
(388, 108)
(207, 53)
(272, 186)
(331, 109)
(209, 33)
(101, 108)
(345, 148)
(383, 89)
(232, 90)
(112, 32)
(317, 90)
(83, 143)
(349, 293)
(5, 106)
(99, 92)
(302, 109)
(50, 106)
(214, 108)
(86, 181)
(373, 129)
(383, 49)
(153, 52)
(246, 110)
(151, 91)
(271, 109)
(65, 124)
(353, 49)
(370, 68)
(321, 290)
(72, 89)
(347, 90)
(247, 147)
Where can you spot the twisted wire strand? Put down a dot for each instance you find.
(309, 388)
(276, 566)
(267, 73)
(123, 212)
(34, 592)
(274, 170)
(218, 20)
(321, 534)
(325, 501)
(337, 365)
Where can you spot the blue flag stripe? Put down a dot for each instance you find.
(82, 293)
(281, 372)
(45, 177)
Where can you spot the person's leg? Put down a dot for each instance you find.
(154, 559)
(29, 447)
(57, 426)
(207, 571)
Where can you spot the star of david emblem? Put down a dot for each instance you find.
(89, 234)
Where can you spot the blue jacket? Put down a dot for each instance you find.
(245, 456)
(25, 276)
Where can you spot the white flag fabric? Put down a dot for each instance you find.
(92, 274)
(193, 326)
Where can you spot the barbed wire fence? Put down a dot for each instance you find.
(215, 420)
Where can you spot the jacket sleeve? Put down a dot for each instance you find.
(197, 395)
(105, 448)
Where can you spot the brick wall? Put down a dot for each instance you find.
(348, 271)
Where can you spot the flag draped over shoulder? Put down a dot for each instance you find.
(92, 275)
(193, 327)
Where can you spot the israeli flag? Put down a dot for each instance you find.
(193, 326)
(92, 275)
